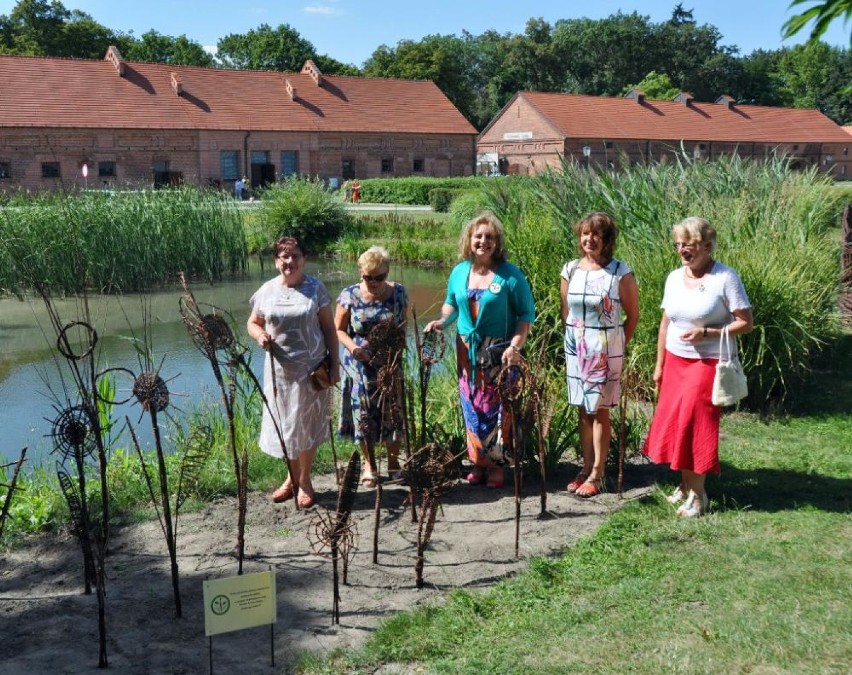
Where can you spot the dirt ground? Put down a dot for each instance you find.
(50, 626)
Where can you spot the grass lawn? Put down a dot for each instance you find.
(761, 585)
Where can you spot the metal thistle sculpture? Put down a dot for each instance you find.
(212, 335)
(336, 532)
(429, 472)
(152, 394)
(386, 340)
(511, 382)
(10, 488)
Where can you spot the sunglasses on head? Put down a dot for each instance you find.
(374, 277)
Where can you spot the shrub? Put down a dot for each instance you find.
(303, 207)
(440, 199)
(414, 190)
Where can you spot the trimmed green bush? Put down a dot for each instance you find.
(414, 190)
(303, 207)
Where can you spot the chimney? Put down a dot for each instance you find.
(636, 94)
(291, 90)
(684, 97)
(310, 68)
(114, 57)
(177, 86)
(726, 101)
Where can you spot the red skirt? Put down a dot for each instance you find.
(685, 429)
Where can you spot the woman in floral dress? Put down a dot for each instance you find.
(595, 290)
(359, 308)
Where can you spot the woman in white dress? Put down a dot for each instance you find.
(595, 290)
(291, 318)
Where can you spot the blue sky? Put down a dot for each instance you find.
(349, 30)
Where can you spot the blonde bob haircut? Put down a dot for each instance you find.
(374, 259)
(493, 222)
(696, 231)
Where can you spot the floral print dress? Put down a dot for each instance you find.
(594, 334)
(359, 378)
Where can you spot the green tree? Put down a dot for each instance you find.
(42, 28)
(156, 48)
(439, 58)
(655, 86)
(814, 75)
(265, 48)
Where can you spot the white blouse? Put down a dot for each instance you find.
(710, 304)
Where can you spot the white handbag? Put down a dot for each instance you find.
(729, 384)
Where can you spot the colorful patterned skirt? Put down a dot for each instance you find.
(684, 432)
(488, 426)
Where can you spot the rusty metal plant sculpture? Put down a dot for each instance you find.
(78, 435)
(336, 532)
(11, 486)
(211, 333)
(152, 394)
(511, 384)
(386, 340)
(429, 472)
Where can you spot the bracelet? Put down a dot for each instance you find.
(515, 347)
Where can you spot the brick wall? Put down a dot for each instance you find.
(196, 155)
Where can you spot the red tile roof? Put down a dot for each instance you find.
(49, 92)
(579, 116)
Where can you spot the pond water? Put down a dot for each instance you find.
(34, 377)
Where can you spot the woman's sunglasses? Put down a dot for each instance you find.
(374, 277)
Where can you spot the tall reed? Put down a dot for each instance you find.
(124, 242)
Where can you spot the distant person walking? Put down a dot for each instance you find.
(347, 191)
(239, 186)
(356, 191)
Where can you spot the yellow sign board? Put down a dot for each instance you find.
(239, 602)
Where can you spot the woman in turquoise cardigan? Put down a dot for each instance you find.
(492, 301)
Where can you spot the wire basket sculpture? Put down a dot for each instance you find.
(336, 533)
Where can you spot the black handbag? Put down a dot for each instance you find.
(494, 354)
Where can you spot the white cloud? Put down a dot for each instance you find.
(322, 9)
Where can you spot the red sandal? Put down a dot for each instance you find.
(591, 488)
(577, 482)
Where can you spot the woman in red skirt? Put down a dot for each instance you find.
(700, 299)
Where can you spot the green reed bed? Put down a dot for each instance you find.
(411, 238)
(772, 224)
(131, 241)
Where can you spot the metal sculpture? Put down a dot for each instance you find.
(10, 488)
(212, 335)
(336, 532)
(511, 382)
(429, 472)
(386, 340)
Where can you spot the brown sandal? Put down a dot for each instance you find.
(283, 493)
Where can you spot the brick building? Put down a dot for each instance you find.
(536, 130)
(143, 124)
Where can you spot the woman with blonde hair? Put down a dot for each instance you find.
(494, 306)
(359, 308)
(702, 298)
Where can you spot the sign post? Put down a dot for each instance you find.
(240, 602)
